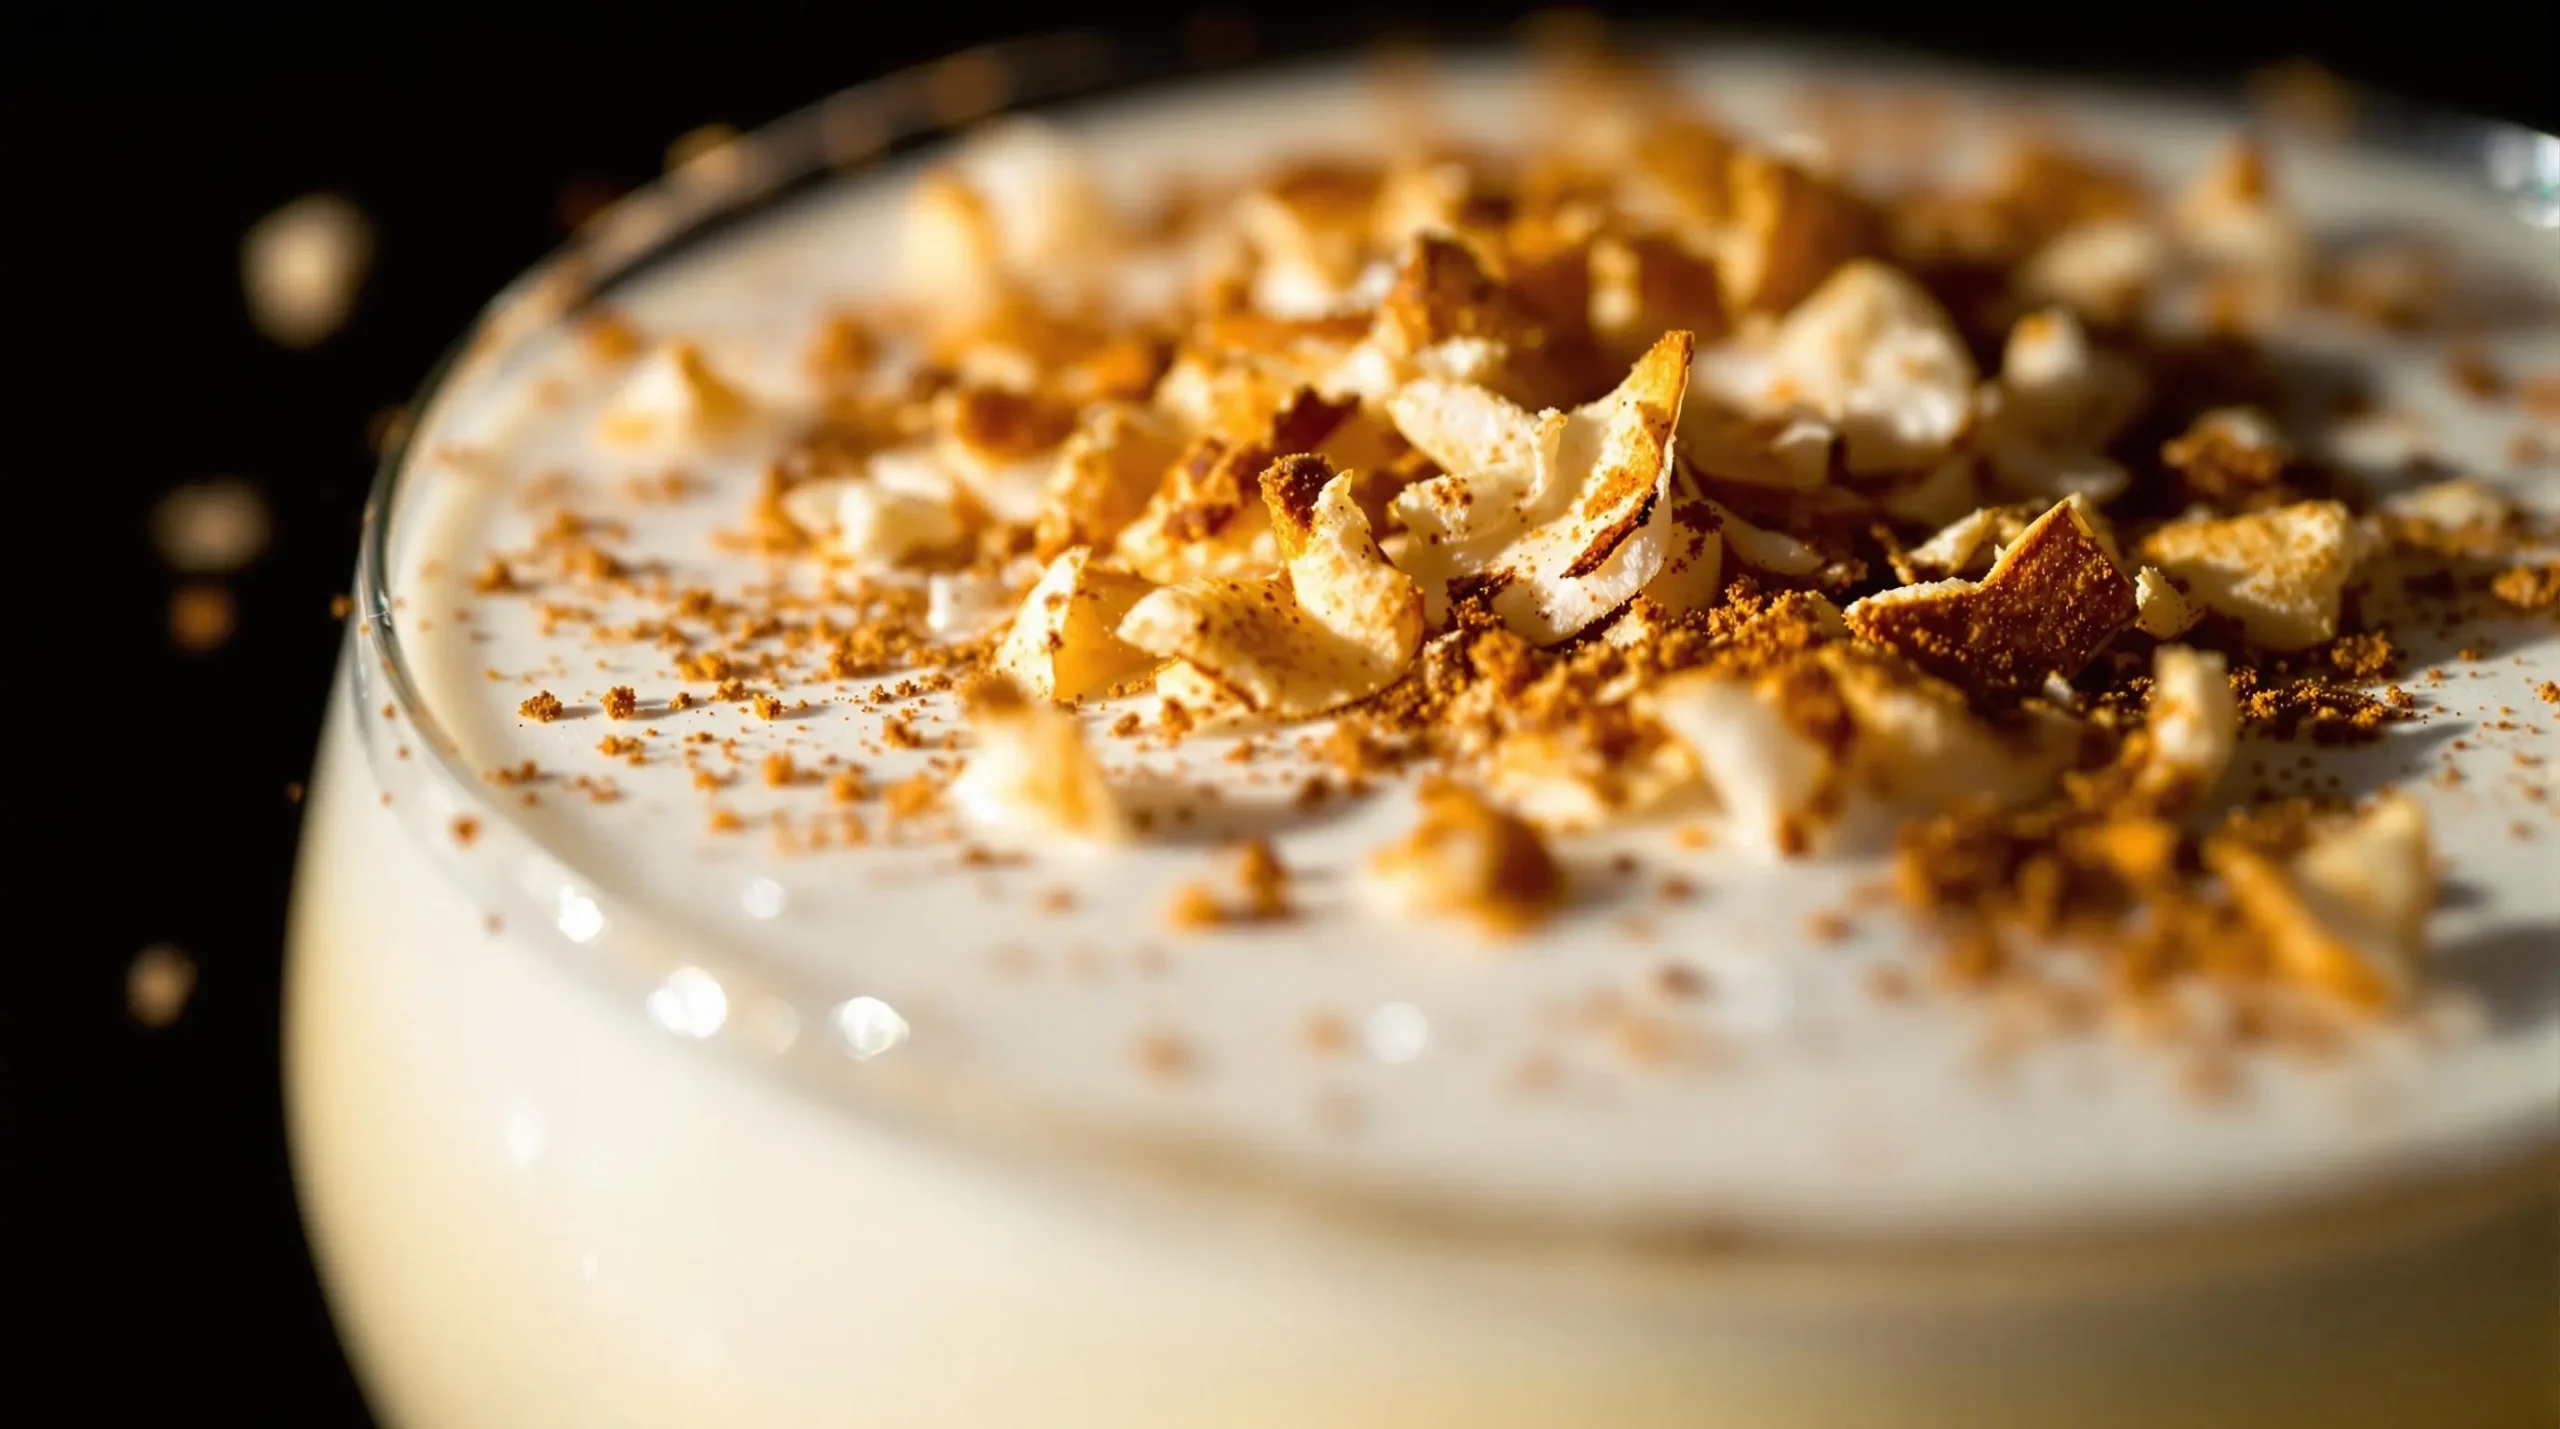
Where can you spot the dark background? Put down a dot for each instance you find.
(457, 127)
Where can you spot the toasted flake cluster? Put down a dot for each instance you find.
(1639, 472)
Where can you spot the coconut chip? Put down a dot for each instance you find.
(1063, 644)
(1869, 355)
(1571, 517)
(1827, 751)
(2348, 914)
(2194, 725)
(2048, 605)
(673, 397)
(1339, 623)
(2280, 573)
(2059, 400)
(1105, 474)
(1031, 777)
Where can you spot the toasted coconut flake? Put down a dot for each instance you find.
(1105, 475)
(1447, 316)
(1796, 453)
(2102, 271)
(902, 507)
(1644, 285)
(2232, 216)
(2048, 605)
(1870, 353)
(2161, 611)
(2279, 572)
(1498, 459)
(1338, 625)
(673, 397)
(1040, 196)
(1011, 211)
(1203, 521)
(2194, 724)
(1824, 752)
(962, 605)
(2058, 402)
(1210, 391)
(2229, 453)
(1201, 699)
(951, 254)
(1789, 231)
(1927, 751)
(1468, 859)
(1208, 518)
(1000, 444)
(1675, 168)
(1692, 573)
(1063, 643)
(1776, 787)
(1309, 227)
(1967, 546)
(2348, 915)
(1763, 549)
(2459, 506)
(1571, 518)
(1031, 778)
(1422, 193)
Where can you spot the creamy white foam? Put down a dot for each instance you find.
(1812, 1106)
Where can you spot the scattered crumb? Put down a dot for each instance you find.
(1194, 906)
(158, 984)
(1167, 1056)
(201, 616)
(210, 527)
(1679, 981)
(2529, 588)
(1263, 883)
(2474, 374)
(1328, 1032)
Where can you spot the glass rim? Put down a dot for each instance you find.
(777, 1018)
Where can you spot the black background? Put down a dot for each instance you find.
(167, 130)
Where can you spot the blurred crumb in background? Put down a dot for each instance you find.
(2304, 96)
(202, 616)
(158, 985)
(211, 527)
(303, 266)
